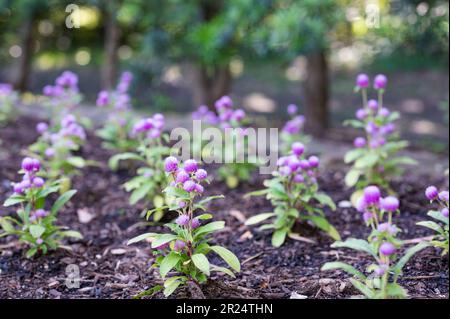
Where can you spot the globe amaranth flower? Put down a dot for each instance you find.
(285, 171)
(199, 188)
(190, 166)
(238, 115)
(360, 142)
(387, 249)
(432, 192)
(387, 228)
(444, 212)
(189, 186)
(444, 196)
(381, 270)
(372, 195)
(292, 109)
(41, 127)
(380, 82)
(372, 105)
(313, 161)
(31, 165)
(18, 189)
(182, 220)
(361, 205)
(40, 213)
(367, 216)
(299, 178)
(304, 164)
(362, 81)
(103, 98)
(182, 176)
(201, 174)
(384, 112)
(195, 223)
(170, 164)
(390, 204)
(38, 182)
(298, 148)
(361, 114)
(179, 245)
(293, 163)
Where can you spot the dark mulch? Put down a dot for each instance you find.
(111, 269)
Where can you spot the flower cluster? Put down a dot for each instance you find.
(8, 100)
(382, 244)
(57, 148)
(150, 152)
(119, 123)
(64, 94)
(294, 192)
(226, 116)
(185, 250)
(373, 156)
(441, 223)
(293, 129)
(34, 224)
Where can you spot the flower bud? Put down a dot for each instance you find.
(40, 213)
(299, 178)
(170, 164)
(39, 241)
(304, 164)
(179, 245)
(444, 212)
(314, 161)
(38, 182)
(390, 204)
(292, 109)
(380, 82)
(372, 195)
(360, 142)
(190, 166)
(384, 112)
(189, 186)
(361, 114)
(182, 176)
(444, 196)
(298, 148)
(432, 192)
(372, 105)
(387, 249)
(362, 81)
(201, 174)
(28, 164)
(195, 223)
(199, 188)
(42, 127)
(182, 220)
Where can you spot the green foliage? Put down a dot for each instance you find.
(33, 225)
(9, 101)
(440, 227)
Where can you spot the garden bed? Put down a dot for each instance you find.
(111, 269)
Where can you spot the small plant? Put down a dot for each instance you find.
(34, 224)
(294, 192)
(62, 97)
(8, 103)
(115, 132)
(186, 248)
(57, 150)
(441, 217)
(373, 158)
(151, 177)
(226, 118)
(382, 245)
(293, 130)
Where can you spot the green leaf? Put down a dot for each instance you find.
(140, 193)
(431, 225)
(228, 257)
(258, 218)
(170, 261)
(149, 292)
(76, 161)
(352, 177)
(14, 200)
(177, 192)
(72, 234)
(279, 237)
(408, 255)
(62, 200)
(204, 216)
(209, 199)
(346, 267)
(256, 193)
(141, 238)
(438, 216)
(172, 287)
(37, 230)
(356, 244)
(369, 293)
(201, 262)
(114, 161)
(324, 199)
(402, 161)
(209, 228)
(163, 239)
(396, 291)
(7, 226)
(353, 155)
(223, 270)
(367, 161)
(31, 252)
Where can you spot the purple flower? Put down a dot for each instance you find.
(292, 109)
(380, 270)
(304, 164)
(361, 114)
(103, 98)
(182, 204)
(443, 196)
(49, 152)
(380, 82)
(25, 184)
(42, 127)
(154, 134)
(68, 120)
(28, 164)
(238, 115)
(162, 247)
(390, 204)
(190, 166)
(314, 161)
(195, 223)
(372, 128)
(40, 213)
(361, 205)
(362, 81)
(444, 212)
(285, 171)
(224, 102)
(293, 163)
(360, 142)
(373, 105)
(38, 182)
(299, 178)
(387, 129)
(201, 174)
(39, 241)
(189, 186)
(171, 164)
(283, 161)
(179, 245)
(387, 249)
(18, 189)
(372, 195)
(298, 148)
(384, 112)
(432, 192)
(199, 188)
(182, 176)
(367, 216)
(182, 220)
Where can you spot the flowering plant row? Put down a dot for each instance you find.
(8, 99)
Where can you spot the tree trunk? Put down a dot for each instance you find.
(24, 68)
(208, 87)
(112, 38)
(317, 94)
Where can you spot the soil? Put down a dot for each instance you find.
(111, 269)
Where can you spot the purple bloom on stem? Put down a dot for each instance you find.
(179, 245)
(361, 114)
(38, 182)
(372, 195)
(299, 178)
(387, 249)
(189, 186)
(362, 81)
(381, 270)
(238, 115)
(195, 223)
(103, 98)
(40, 213)
(380, 82)
(361, 205)
(18, 189)
(373, 105)
(390, 204)
(201, 174)
(199, 188)
(444, 212)
(304, 164)
(42, 127)
(28, 164)
(360, 142)
(298, 148)
(285, 171)
(39, 241)
(292, 109)
(171, 164)
(367, 216)
(444, 196)
(190, 166)
(314, 161)
(294, 163)
(49, 152)
(384, 112)
(432, 192)
(182, 176)
(182, 220)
